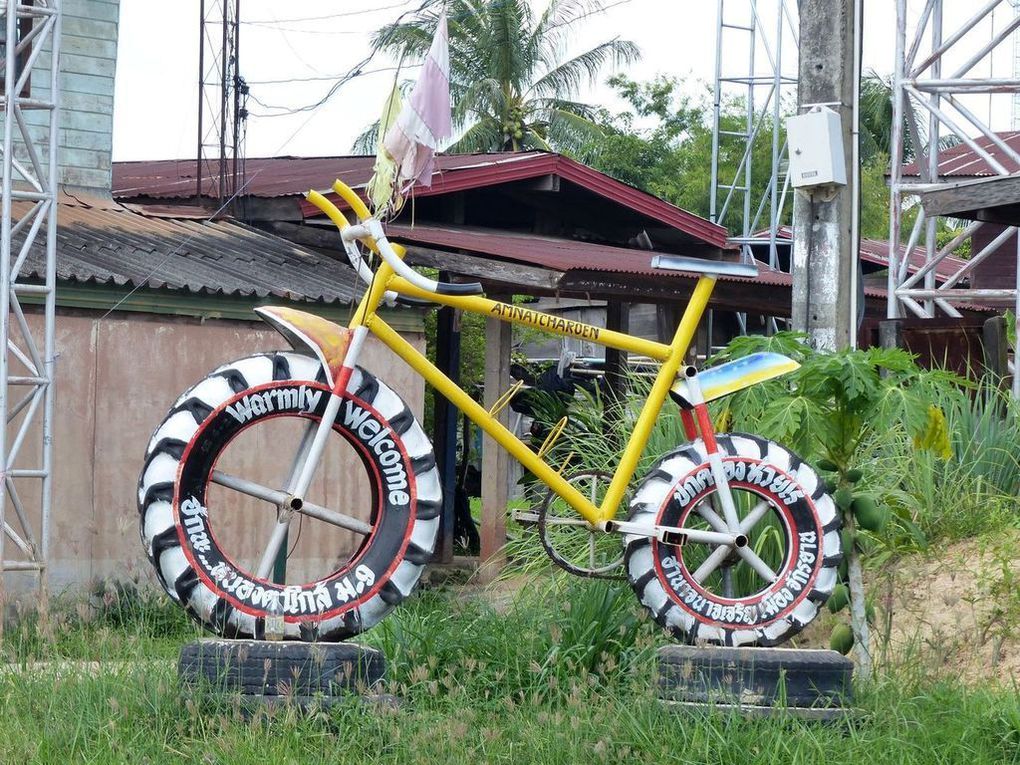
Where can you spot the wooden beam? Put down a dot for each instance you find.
(484, 268)
(309, 236)
(971, 197)
(495, 461)
(667, 319)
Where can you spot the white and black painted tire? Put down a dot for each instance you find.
(812, 547)
(177, 531)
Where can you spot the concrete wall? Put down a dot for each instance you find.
(116, 379)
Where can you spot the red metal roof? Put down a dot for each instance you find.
(268, 177)
(877, 251)
(961, 161)
(291, 176)
(553, 253)
(570, 255)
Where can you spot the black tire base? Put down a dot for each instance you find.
(779, 678)
(277, 672)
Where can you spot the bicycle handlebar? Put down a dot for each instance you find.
(370, 231)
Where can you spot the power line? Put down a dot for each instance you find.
(344, 14)
(323, 77)
(356, 71)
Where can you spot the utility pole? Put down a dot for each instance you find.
(824, 253)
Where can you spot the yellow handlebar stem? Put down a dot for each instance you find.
(351, 197)
(341, 222)
(330, 209)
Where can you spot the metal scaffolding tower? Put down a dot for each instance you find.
(30, 96)
(222, 98)
(756, 68)
(928, 107)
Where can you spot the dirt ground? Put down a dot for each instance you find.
(954, 611)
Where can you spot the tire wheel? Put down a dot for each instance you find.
(276, 668)
(755, 676)
(179, 518)
(762, 594)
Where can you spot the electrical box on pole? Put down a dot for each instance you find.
(817, 157)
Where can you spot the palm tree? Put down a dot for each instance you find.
(509, 88)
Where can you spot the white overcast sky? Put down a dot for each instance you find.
(289, 51)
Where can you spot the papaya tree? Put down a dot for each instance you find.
(832, 409)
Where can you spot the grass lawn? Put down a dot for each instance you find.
(562, 674)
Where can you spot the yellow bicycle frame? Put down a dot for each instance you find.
(671, 357)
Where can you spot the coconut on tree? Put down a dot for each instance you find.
(511, 87)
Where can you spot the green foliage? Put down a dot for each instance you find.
(510, 85)
(939, 458)
(672, 157)
(835, 403)
(479, 690)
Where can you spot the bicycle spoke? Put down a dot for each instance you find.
(712, 517)
(727, 582)
(276, 540)
(711, 563)
(279, 498)
(591, 550)
(760, 566)
(755, 515)
(301, 455)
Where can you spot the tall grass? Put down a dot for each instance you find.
(478, 686)
(973, 491)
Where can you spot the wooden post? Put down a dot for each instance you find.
(495, 461)
(890, 333)
(617, 320)
(995, 347)
(667, 319)
(445, 426)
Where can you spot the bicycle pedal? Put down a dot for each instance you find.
(525, 517)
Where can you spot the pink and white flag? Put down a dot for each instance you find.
(424, 121)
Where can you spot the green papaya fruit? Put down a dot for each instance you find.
(844, 498)
(842, 639)
(829, 486)
(827, 465)
(853, 476)
(839, 598)
(869, 515)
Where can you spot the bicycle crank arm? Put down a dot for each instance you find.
(672, 535)
(530, 518)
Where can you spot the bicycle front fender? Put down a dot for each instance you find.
(735, 375)
(326, 340)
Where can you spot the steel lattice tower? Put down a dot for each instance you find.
(756, 66)
(30, 100)
(221, 95)
(927, 105)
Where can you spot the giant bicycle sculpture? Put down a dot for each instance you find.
(730, 538)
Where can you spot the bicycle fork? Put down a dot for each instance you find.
(309, 454)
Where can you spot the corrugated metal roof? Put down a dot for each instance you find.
(267, 177)
(557, 254)
(961, 161)
(292, 176)
(876, 251)
(107, 243)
